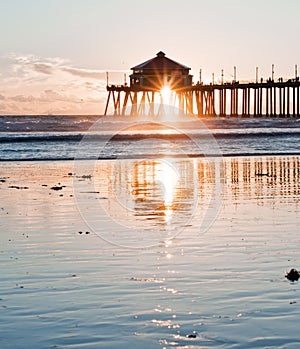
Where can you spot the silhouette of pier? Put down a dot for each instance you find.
(145, 94)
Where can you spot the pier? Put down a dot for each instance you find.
(146, 94)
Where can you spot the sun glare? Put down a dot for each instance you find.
(165, 92)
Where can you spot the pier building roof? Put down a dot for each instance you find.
(160, 62)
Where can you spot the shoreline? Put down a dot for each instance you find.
(156, 156)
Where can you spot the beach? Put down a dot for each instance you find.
(149, 174)
(93, 259)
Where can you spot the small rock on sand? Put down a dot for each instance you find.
(17, 187)
(293, 275)
(191, 335)
(58, 187)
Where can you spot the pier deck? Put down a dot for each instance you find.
(263, 98)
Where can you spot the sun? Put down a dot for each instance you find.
(165, 93)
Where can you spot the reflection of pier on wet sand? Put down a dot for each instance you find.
(265, 178)
(164, 190)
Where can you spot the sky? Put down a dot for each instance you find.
(54, 54)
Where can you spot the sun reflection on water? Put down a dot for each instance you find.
(168, 177)
(147, 199)
(156, 185)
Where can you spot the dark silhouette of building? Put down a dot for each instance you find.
(160, 71)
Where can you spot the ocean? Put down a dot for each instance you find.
(68, 137)
(133, 233)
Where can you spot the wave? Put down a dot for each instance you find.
(232, 134)
(29, 138)
(151, 156)
(77, 123)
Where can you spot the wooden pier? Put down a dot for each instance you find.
(144, 96)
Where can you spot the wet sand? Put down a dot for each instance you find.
(108, 255)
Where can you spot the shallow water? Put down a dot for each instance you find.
(150, 254)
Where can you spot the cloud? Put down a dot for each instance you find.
(84, 73)
(37, 85)
(22, 98)
(27, 63)
(44, 68)
(50, 102)
(92, 74)
(53, 96)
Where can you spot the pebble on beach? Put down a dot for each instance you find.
(293, 275)
(81, 232)
(191, 335)
(58, 187)
(17, 187)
